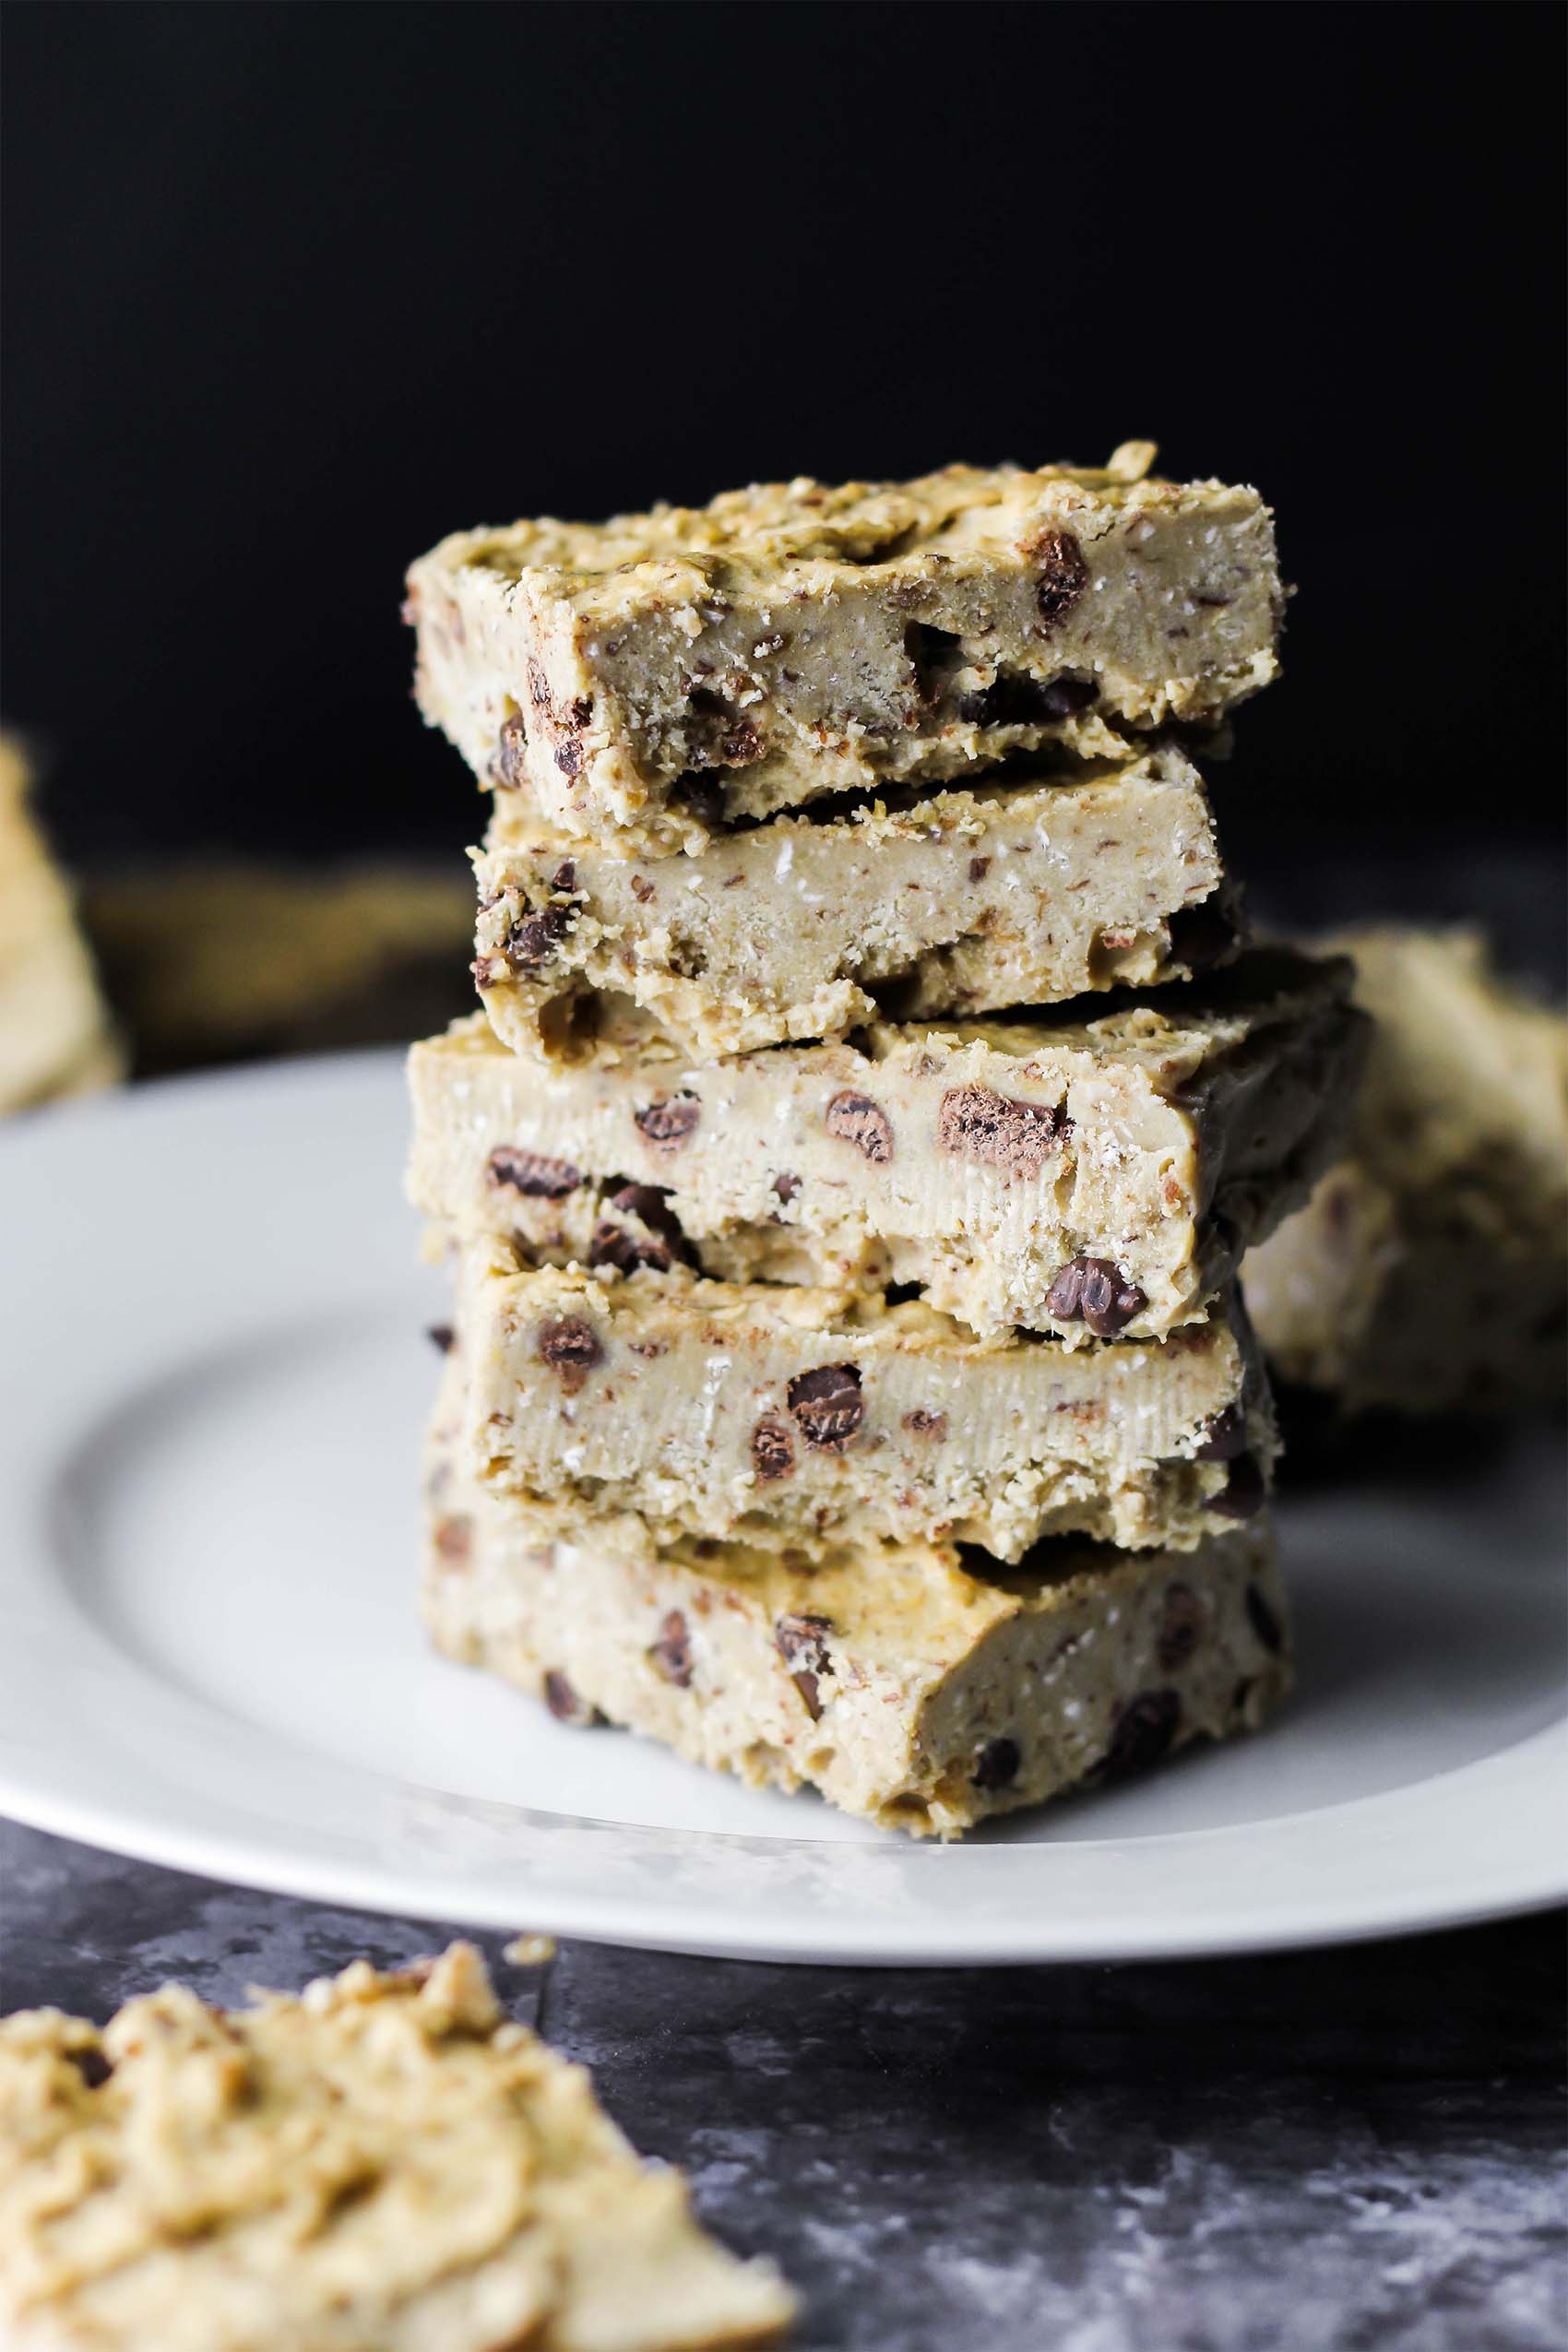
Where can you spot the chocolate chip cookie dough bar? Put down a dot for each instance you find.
(383, 2164)
(958, 903)
(673, 672)
(711, 1408)
(1001, 1165)
(1428, 1272)
(918, 1684)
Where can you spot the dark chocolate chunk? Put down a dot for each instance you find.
(569, 755)
(828, 1405)
(1094, 1291)
(91, 2065)
(1225, 1436)
(511, 754)
(1180, 1628)
(978, 1124)
(1143, 1732)
(565, 1706)
(856, 1119)
(531, 939)
(441, 1337)
(1062, 574)
(569, 1345)
(978, 869)
(1264, 1622)
(564, 876)
(532, 1173)
(801, 1642)
(996, 1765)
(1244, 1492)
(659, 1244)
(772, 1448)
(921, 1423)
(673, 1651)
(670, 1121)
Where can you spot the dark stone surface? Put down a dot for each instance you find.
(1351, 2149)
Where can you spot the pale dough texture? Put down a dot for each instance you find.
(386, 2164)
(673, 670)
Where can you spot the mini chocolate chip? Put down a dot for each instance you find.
(801, 1640)
(1181, 1627)
(1143, 1732)
(978, 869)
(673, 1651)
(441, 1337)
(532, 1173)
(772, 1448)
(1094, 1291)
(786, 1186)
(564, 876)
(91, 2065)
(649, 1204)
(533, 939)
(670, 1121)
(642, 889)
(1062, 574)
(1264, 1622)
(996, 1765)
(454, 1540)
(569, 1345)
(569, 756)
(618, 1246)
(855, 1119)
(565, 1706)
(511, 754)
(1225, 1436)
(978, 1124)
(1244, 1492)
(828, 1405)
(919, 1423)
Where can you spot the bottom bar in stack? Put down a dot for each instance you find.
(924, 1685)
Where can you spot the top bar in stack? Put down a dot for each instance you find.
(673, 673)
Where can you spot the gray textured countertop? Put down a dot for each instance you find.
(1347, 2149)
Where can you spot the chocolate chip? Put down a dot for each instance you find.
(786, 1186)
(565, 1706)
(1203, 935)
(978, 869)
(441, 1337)
(1244, 1492)
(1062, 574)
(1094, 1291)
(539, 685)
(919, 1423)
(772, 1448)
(801, 1640)
(569, 1345)
(564, 876)
(670, 1121)
(531, 940)
(978, 1124)
(657, 1246)
(1143, 1732)
(616, 1245)
(642, 889)
(996, 1765)
(1264, 1622)
(1225, 1436)
(531, 1174)
(91, 2065)
(511, 754)
(569, 756)
(1181, 1627)
(454, 1540)
(828, 1405)
(673, 1651)
(856, 1119)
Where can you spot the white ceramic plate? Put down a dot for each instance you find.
(214, 1375)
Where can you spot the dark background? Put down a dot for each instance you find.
(293, 290)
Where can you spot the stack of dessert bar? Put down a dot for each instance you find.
(870, 1105)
